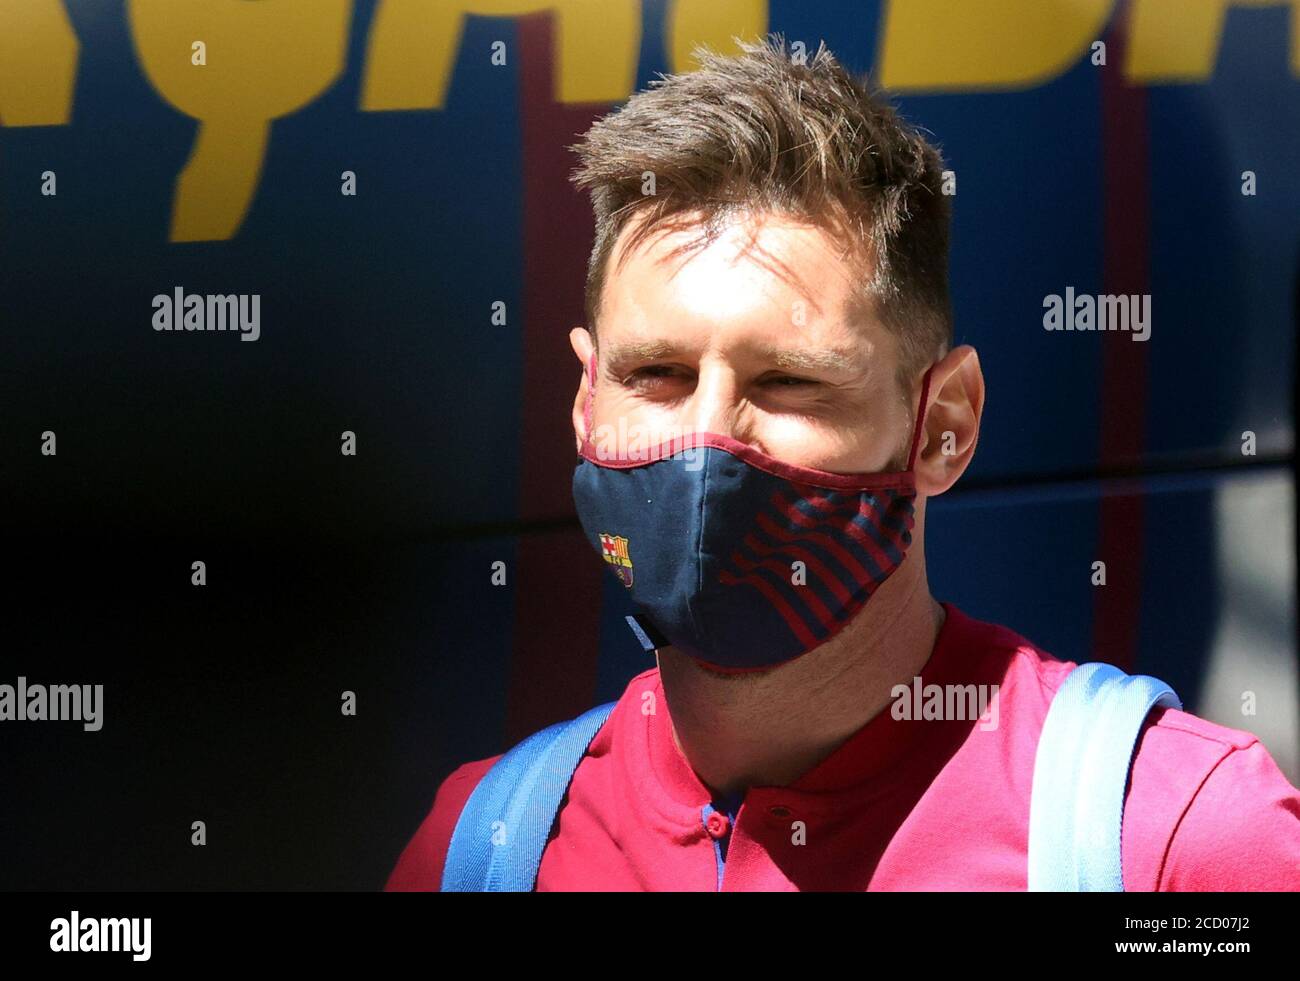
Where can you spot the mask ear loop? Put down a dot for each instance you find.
(589, 409)
(920, 419)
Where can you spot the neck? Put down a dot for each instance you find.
(768, 728)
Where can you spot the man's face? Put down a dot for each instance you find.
(753, 337)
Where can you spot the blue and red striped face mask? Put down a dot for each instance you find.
(735, 558)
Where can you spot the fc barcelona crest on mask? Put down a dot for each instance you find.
(614, 548)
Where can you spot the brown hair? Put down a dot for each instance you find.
(758, 132)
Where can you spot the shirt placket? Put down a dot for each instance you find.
(719, 818)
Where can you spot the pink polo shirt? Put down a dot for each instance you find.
(901, 804)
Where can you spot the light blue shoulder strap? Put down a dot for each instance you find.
(1076, 807)
(501, 832)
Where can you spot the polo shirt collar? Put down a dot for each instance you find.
(863, 766)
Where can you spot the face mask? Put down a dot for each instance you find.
(736, 558)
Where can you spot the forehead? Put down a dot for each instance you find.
(760, 272)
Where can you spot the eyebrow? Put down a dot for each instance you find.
(790, 359)
(827, 359)
(642, 351)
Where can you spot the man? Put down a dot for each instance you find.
(769, 396)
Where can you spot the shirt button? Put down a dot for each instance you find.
(779, 811)
(717, 825)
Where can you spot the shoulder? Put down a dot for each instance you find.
(1227, 815)
(419, 868)
(1207, 807)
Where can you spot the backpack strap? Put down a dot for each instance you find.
(501, 832)
(1076, 807)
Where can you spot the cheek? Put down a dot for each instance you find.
(856, 445)
(632, 422)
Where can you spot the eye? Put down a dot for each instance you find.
(655, 376)
(788, 381)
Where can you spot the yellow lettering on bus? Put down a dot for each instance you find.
(1178, 40)
(263, 61)
(938, 45)
(714, 23)
(413, 43)
(38, 63)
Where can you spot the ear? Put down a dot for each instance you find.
(583, 347)
(952, 420)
